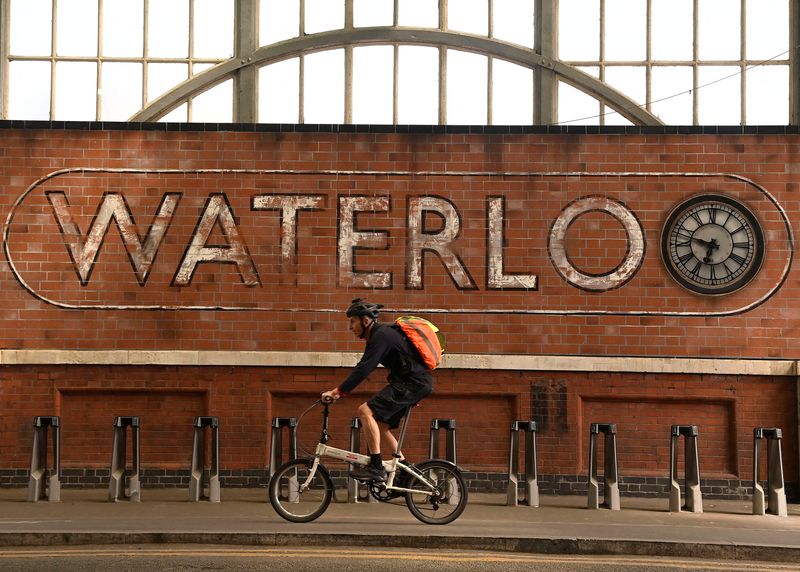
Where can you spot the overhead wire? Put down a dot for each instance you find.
(685, 92)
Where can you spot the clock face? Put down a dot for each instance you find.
(712, 244)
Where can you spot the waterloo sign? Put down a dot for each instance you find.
(565, 243)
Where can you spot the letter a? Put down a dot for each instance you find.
(217, 210)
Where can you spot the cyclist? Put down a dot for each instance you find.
(409, 381)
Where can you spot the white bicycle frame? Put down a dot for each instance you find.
(391, 467)
(324, 450)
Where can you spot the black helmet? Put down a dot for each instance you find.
(359, 307)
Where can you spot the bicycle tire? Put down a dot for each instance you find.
(448, 504)
(293, 505)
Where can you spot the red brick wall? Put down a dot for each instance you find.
(644, 407)
(44, 306)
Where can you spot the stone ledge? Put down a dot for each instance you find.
(674, 365)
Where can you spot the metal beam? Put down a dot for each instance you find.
(545, 105)
(387, 35)
(794, 63)
(4, 46)
(245, 78)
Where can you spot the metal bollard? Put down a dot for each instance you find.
(610, 476)
(450, 439)
(197, 482)
(776, 494)
(353, 485)
(531, 476)
(276, 442)
(43, 481)
(450, 446)
(119, 473)
(694, 497)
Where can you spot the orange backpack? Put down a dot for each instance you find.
(425, 337)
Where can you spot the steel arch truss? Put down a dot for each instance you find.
(323, 41)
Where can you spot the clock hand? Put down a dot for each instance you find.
(709, 244)
(711, 247)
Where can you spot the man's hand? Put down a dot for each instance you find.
(331, 396)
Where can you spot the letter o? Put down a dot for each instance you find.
(619, 275)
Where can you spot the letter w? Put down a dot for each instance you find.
(84, 251)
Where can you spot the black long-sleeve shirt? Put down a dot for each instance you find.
(390, 348)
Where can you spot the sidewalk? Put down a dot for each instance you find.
(726, 529)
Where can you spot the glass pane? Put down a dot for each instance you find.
(213, 29)
(31, 27)
(575, 107)
(626, 30)
(471, 16)
(466, 88)
(768, 95)
(323, 91)
(214, 105)
(718, 93)
(76, 29)
(168, 32)
(200, 68)
(29, 90)
(76, 91)
(177, 115)
(612, 117)
(671, 29)
(163, 77)
(279, 92)
(418, 85)
(718, 30)
(373, 13)
(513, 21)
(671, 93)
(279, 20)
(512, 94)
(123, 28)
(322, 15)
(767, 29)
(373, 84)
(630, 80)
(122, 91)
(579, 30)
(418, 13)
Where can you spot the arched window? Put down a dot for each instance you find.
(494, 62)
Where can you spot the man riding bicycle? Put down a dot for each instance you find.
(409, 381)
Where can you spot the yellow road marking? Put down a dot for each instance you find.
(367, 554)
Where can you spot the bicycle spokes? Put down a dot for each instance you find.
(443, 498)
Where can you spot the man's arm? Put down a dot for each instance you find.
(375, 350)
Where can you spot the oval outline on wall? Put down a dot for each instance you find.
(336, 172)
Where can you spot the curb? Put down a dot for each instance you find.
(573, 546)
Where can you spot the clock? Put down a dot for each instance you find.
(712, 244)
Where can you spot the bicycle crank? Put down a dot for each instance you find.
(381, 493)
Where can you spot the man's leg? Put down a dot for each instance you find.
(391, 441)
(371, 427)
(373, 472)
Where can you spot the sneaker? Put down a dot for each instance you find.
(369, 474)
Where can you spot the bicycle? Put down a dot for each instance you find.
(300, 490)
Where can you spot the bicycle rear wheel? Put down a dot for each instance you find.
(446, 502)
(293, 504)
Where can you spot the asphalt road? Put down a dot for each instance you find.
(169, 558)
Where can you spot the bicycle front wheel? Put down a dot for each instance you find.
(444, 502)
(294, 496)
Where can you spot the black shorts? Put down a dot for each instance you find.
(389, 405)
